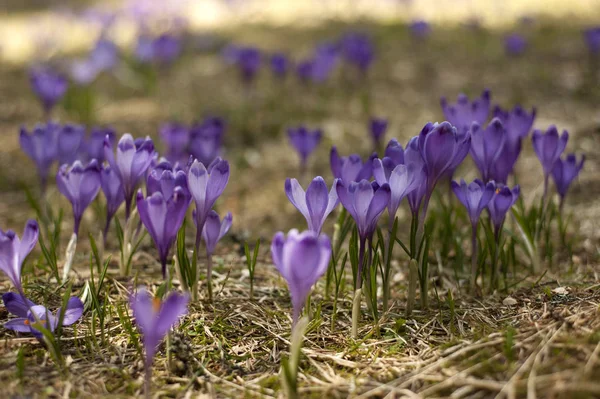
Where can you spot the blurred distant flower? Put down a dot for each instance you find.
(14, 250)
(114, 194)
(301, 258)
(358, 50)
(206, 139)
(377, 128)
(592, 39)
(70, 143)
(549, 146)
(351, 168)
(564, 172)
(176, 136)
(315, 204)
(41, 147)
(95, 143)
(144, 50)
(280, 65)
(304, 142)
(420, 29)
(48, 85)
(166, 48)
(29, 314)
(324, 61)
(304, 70)
(464, 112)
(83, 72)
(247, 59)
(105, 55)
(517, 122)
(515, 44)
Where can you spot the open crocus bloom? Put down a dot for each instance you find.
(29, 314)
(315, 204)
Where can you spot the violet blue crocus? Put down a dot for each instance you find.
(80, 185)
(301, 258)
(280, 65)
(315, 204)
(592, 39)
(324, 61)
(420, 29)
(377, 128)
(247, 59)
(402, 180)
(350, 168)
(214, 230)
(515, 44)
(358, 50)
(475, 197)
(95, 143)
(130, 164)
(154, 318)
(206, 139)
(486, 146)
(365, 202)
(503, 199)
(14, 250)
(304, 142)
(40, 146)
(517, 122)
(163, 211)
(176, 136)
(105, 55)
(70, 143)
(166, 48)
(114, 194)
(564, 172)
(464, 112)
(412, 156)
(548, 147)
(29, 314)
(48, 85)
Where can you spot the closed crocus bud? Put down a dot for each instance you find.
(41, 147)
(113, 192)
(70, 143)
(564, 172)
(95, 143)
(475, 197)
(503, 199)
(358, 50)
(487, 145)
(394, 152)
(412, 156)
(377, 128)
(215, 229)
(464, 112)
(549, 147)
(176, 137)
(304, 141)
(402, 180)
(48, 85)
(162, 214)
(14, 250)
(206, 139)
(350, 168)
(505, 163)
(315, 204)
(30, 316)
(79, 185)
(301, 258)
(517, 122)
(132, 160)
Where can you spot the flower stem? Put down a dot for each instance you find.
(361, 258)
(355, 312)
(69, 255)
(412, 286)
(209, 276)
(473, 257)
(147, 379)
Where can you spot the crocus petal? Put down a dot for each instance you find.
(20, 324)
(73, 311)
(29, 239)
(16, 305)
(172, 309)
(297, 196)
(317, 199)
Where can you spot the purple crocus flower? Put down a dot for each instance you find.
(503, 199)
(301, 258)
(304, 70)
(79, 185)
(215, 229)
(177, 137)
(130, 164)
(505, 163)
(486, 146)
(280, 65)
(144, 50)
(377, 128)
(324, 61)
(113, 192)
(517, 122)
(40, 146)
(549, 147)
(29, 314)
(70, 143)
(14, 250)
(412, 156)
(315, 204)
(475, 197)
(104, 55)
(592, 39)
(83, 72)
(304, 142)
(48, 85)
(564, 172)
(358, 50)
(206, 139)
(166, 48)
(365, 202)
(95, 143)
(163, 211)
(206, 185)
(394, 152)
(350, 168)
(247, 59)
(420, 29)
(154, 318)
(464, 112)
(402, 180)
(515, 44)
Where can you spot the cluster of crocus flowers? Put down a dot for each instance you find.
(304, 142)
(154, 318)
(301, 259)
(80, 185)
